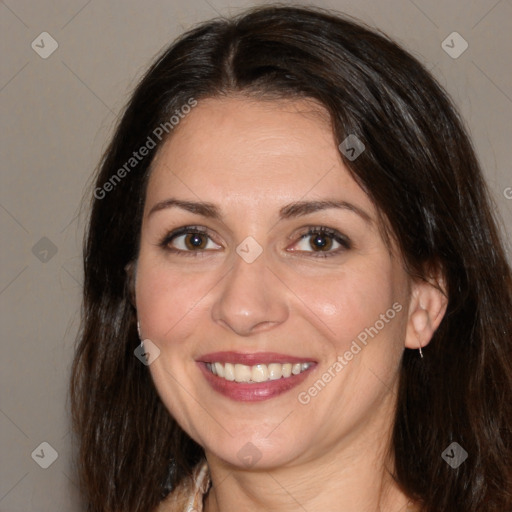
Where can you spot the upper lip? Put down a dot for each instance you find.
(251, 359)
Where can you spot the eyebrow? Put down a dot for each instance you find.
(292, 210)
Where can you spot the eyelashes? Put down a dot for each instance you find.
(196, 241)
(198, 234)
(324, 239)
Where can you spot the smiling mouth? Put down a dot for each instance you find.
(252, 377)
(257, 373)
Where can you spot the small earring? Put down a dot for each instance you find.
(420, 320)
(140, 337)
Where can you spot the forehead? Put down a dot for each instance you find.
(261, 151)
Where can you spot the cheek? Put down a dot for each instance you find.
(361, 309)
(167, 300)
(352, 299)
(170, 309)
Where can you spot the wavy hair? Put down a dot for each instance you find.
(419, 169)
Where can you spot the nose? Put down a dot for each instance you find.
(250, 298)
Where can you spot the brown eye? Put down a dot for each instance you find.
(321, 242)
(195, 241)
(189, 239)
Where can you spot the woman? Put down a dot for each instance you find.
(295, 294)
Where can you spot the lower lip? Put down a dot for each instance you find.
(244, 392)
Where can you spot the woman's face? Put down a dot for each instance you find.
(261, 257)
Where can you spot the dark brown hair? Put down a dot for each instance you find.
(420, 170)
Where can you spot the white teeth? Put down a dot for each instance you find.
(219, 370)
(229, 371)
(258, 372)
(296, 368)
(287, 369)
(242, 373)
(275, 371)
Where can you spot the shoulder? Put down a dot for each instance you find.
(188, 496)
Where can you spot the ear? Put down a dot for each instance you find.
(130, 270)
(427, 307)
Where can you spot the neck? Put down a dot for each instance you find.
(352, 476)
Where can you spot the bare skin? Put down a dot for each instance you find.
(330, 450)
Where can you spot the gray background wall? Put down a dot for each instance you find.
(57, 114)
